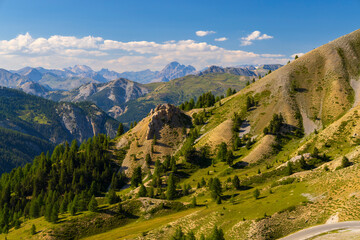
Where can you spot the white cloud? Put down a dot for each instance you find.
(63, 51)
(298, 54)
(255, 35)
(204, 33)
(222, 39)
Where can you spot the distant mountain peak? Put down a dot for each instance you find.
(174, 70)
(79, 69)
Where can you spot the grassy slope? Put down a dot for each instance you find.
(180, 90)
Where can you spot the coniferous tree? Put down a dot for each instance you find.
(215, 188)
(203, 182)
(193, 202)
(148, 159)
(33, 229)
(142, 191)
(345, 162)
(222, 151)
(229, 92)
(34, 209)
(120, 130)
(171, 188)
(136, 178)
(217, 234)
(229, 158)
(93, 204)
(54, 213)
(113, 197)
(236, 182)
(256, 193)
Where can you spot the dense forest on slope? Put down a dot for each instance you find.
(31, 125)
(66, 180)
(17, 149)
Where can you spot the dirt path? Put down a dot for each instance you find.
(355, 84)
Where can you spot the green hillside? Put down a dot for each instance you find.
(17, 149)
(180, 90)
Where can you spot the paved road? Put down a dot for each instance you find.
(314, 231)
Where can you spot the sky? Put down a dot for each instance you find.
(142, 34)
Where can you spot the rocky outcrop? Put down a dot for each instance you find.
(166, 114)
(85, 122)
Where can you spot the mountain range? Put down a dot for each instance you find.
(277, 155)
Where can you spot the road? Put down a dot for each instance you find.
(314, 231)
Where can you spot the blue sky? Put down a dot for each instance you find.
(140, 34)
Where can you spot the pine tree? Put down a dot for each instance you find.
(171, 188)
(345, 162)
(136, 178)
(34, 209)
(120, 130)
(229, 92)
(229, 158)
(215, 188)
(54, 213)
(72, 209)
(203, 182)
(142, 191)
(193, 202)
(148, 159)
(93, 204)
(217, 234)
(236, 182)
(112, 197)
(222, 151)
(33, 229)
(256, 193)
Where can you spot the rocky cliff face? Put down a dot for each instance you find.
(35, 89)
(108, 96)
(83, 124)
(52, 121)
(166, 114)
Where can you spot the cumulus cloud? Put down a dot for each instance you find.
(255, 35)
(63, 51)
(204, 33)
(298, 54)
(222, 39)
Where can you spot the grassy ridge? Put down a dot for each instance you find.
(180, 90)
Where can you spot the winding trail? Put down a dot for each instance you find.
(314, 231)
